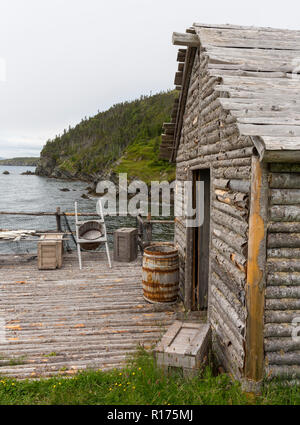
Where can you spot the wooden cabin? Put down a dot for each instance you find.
(236, 126)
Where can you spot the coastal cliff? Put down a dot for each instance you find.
(125, 138)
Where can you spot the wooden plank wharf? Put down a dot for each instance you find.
(60, 321)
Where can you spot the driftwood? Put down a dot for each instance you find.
(284, 240)
(285, 344)
(231, 269)
(278, 330)
(232, 223)
(283, 265)
(284, 253)
(225, 329)
(281, 316)
(239, 185)
(283, 372)
(234, 301)
(284, 181)
(231, 210)
(284, 196)
(276, 292)
(285, 213)
(234, 240)
(284, 278)
(285, 168)
(182, 39)
(283, 304)
(235, 357)
(234, 198)
(284, 227)
(283, 359)
(242, 172)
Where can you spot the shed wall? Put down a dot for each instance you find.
(283, 278)
(210, 139)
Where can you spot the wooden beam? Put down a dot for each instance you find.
(181, 55)
(190, 56)
(282, 156)
(191, 30)
(182, 39)
(256, 272)
(178, 78)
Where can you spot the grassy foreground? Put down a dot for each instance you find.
(139, 383)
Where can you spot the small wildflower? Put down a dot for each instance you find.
(120, 373)
(140, 368)
(13, 383)
(110, 389)
(133, 373)
(120, 385)
(133, 388)
(54, 386)
(116, 383)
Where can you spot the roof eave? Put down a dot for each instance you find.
(274, 155)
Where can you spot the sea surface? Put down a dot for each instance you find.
(30, 193)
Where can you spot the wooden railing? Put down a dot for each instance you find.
(57, 214)
(145, 227)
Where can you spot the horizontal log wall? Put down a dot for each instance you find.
(210, 139)
(283, 280)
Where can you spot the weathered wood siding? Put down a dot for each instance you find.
(210, 139)
(283, 279)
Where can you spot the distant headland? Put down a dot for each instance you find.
(27, 162)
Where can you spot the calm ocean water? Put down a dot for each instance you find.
(30, 193)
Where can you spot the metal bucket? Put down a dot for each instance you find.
(160, 273)
(90, 230)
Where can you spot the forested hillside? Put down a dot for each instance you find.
(99, 144)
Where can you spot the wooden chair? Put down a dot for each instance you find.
(90, 234)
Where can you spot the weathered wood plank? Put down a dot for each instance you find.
(256, 279)
(91, 318)
(185, 39)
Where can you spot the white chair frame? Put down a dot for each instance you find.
(80, 240)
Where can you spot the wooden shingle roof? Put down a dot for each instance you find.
(259, 70)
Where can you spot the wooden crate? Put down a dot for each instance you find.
(125, 244)
(184, 345)
(50, 251)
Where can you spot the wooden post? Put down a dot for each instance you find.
(182, 39)
(58, 221)
(148, 230)
(256, 273)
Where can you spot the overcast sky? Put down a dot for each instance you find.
(62, 60)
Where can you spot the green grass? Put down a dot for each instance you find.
(141, 161)
(140, 383)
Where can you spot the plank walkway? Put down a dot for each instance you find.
(65, 320)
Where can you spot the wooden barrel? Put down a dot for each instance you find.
(160, 273)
